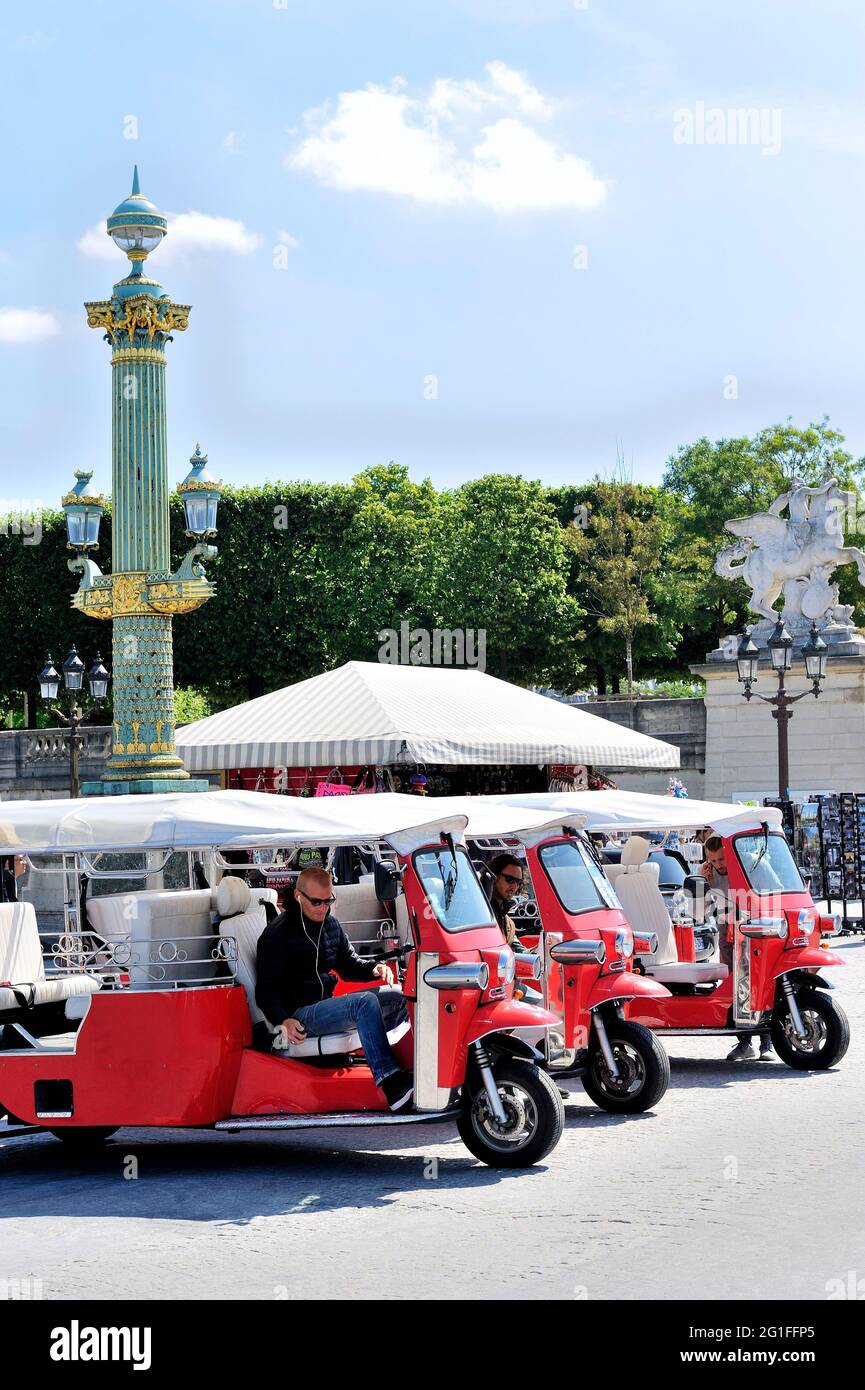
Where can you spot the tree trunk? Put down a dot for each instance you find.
(616, 684)
(629, 663)
(600, 679)
(503, 664)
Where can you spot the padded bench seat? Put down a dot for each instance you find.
(23, 984)
(687, 972)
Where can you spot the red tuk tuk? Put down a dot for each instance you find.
(778, 943)
(144, 1014)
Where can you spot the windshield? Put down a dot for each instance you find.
(580, 884)
(773, 871)
(454, 892)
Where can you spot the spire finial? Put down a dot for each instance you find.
(135, 187)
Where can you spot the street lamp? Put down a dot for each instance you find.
(74, 671)
(200, 498)
(815, 654)
(143, 593)
(83, 514)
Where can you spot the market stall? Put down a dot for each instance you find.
(368, 727)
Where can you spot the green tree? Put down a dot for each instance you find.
(504, 571)
(619, 548)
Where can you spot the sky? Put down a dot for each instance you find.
(524, 236)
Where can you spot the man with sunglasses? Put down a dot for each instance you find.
(717, 877)
(301, 955)
(507, 884)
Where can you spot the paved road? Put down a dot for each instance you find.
(748, 1182)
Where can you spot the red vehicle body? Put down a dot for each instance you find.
(588, 981)
(778, 950)
(183, 1056)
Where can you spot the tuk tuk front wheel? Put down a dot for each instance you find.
(534, 1110)
(83, 1136)
(643, 1065)
(827, 1028)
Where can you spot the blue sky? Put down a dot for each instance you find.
(427, 171)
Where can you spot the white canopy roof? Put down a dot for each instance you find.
(235, 819)
(371, 713)
(623, 810)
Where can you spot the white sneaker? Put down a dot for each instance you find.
(742, 1052)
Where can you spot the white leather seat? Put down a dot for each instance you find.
(243, 918)
(22, 970)
(643, 905)
(359, 911)
(165, 934)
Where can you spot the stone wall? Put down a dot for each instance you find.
(680, 722)
(826, 737)
(34, 763)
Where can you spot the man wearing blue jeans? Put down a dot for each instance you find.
(301, 955)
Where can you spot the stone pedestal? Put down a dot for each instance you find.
(826, 735)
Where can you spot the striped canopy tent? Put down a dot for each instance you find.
(367, 713)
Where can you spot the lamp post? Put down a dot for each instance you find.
(141, 596)
(74, 672)
(780, 644)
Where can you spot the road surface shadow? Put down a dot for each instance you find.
(227, 1180)
(690, 1072)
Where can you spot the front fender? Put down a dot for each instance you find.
(626, 985)
(806, 958)
(505, 1015)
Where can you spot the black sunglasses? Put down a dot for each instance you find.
(317, 902)
(511, 878)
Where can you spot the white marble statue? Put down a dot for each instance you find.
(796, 555)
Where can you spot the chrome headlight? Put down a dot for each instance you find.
(625, 942)
(765, 926)
(507, 966)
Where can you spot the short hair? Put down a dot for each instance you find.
(314, 875)
(503, 861)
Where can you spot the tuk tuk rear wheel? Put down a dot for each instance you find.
(643, 1065)
(828, 1032)
(83, 1136)
(536, 1116)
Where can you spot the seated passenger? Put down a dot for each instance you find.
(300, 956)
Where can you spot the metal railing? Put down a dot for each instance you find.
(176, 962)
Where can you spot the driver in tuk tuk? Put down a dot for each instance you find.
(301, 955)
(716, 875)
(507, 884)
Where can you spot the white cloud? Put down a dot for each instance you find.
(460, 142)
(27, 325)
(286, 239)
(231, 142)
(188, 232)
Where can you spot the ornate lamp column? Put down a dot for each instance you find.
(141, 595)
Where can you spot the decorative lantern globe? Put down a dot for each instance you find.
(73, 671)
(83, 509)
(49, 680)
(97, 678)
(137, 226)
(780, 646)
(816, 654)
(747, 659)
(201, 494)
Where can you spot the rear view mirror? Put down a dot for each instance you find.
(388, 881)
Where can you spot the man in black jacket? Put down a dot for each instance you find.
(301, 954)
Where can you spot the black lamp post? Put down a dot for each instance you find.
(74, 672)
(780, 644)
